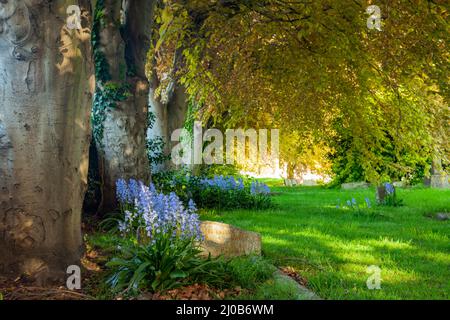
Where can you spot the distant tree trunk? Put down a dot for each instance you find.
(290, 170)
(177, 109)
(159, 128)
(46, 85)
(169, 116)
(124, 42)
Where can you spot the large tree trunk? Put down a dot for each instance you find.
(46, 83)
(122, 147)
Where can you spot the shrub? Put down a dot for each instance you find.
(213, 170)
(219, 192)
(229, 193)
(161, 265)
(166, 236)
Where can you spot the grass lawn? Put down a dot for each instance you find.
(332, 247)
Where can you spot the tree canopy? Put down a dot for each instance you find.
(315, 69)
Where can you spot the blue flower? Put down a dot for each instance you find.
(368, 202)
(156, 213)
(257, 187)
(389, 188)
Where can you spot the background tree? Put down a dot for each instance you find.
(316, 66)
(121, 38)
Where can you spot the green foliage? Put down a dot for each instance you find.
(316, 66)
(210, 171)
(253, 274)
(159, 266)
(188, 186)
(390, 161)
(101, 64)
(216, 198)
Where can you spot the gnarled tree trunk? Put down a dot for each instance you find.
(46, 84)
(122, 146)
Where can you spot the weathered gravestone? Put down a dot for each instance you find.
(354, 185)
(399, 184)
(292, 182)
(229, 241)
(439, 178)
(310, 183)
(440, 181)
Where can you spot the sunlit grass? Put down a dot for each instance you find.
(332, 247)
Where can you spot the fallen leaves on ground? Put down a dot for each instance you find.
(289, 271)
(193, 292)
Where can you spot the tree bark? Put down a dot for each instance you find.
(122, 149)
(169, 116)
(46, 84)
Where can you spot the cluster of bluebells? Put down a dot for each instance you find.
(257, 187)
(354, 204)
(223, 183)
(230, 183)
(156, 213)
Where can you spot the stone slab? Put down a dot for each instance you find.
(355, 185)
(229, 241)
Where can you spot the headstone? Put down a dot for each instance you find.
(355, 185)
(309, 183)
(381, 194)
(439, 178)
(399, 184)
(229, 241)
(442, 216)
(440, 181)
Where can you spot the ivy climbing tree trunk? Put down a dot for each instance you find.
(46, 85)
(121, 39)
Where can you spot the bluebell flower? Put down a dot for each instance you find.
(122, 191)
(156, 213)
(257, 187)
(389, 188)
(368, 202)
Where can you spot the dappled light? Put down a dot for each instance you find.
(235, 150)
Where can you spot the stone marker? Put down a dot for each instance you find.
(399, 184)
(310, 183)
(227, 240)
(439, 178)
(355, 185)
(442, 216)
(440, 181)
